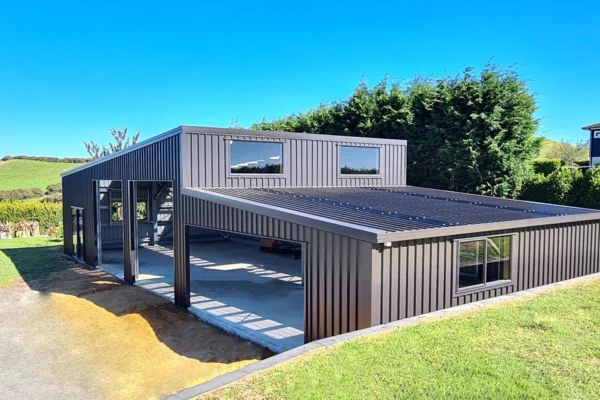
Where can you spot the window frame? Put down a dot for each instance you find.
(347, 176)
(284, 162)
(458, 291)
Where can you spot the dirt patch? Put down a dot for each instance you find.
(84, 334)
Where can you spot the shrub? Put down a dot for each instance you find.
(46, 214)
(563, 186)
(52, 198)
(590, 189)
(75, 160)
(53, 188)
(546, 167)
(582, 163)
(20, 194)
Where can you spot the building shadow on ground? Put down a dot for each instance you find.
(174, 327)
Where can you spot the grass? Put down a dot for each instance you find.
(25, 174)
(547, 146)
(543, 348)
(29, 258)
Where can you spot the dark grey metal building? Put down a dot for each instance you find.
(373, 249)
(594, 130)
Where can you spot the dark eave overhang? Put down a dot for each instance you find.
(591, 127)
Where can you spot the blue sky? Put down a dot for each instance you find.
(70, 70)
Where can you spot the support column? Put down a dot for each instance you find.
(129, 195)
(181, 249)
(154, 214)
(97, 225)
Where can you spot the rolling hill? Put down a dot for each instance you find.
(24, 174)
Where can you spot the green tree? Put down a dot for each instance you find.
(121, 142)
(470, 132)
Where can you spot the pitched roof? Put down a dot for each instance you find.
(591, 127)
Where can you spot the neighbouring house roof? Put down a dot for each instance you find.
(591, 127)
(382, 214)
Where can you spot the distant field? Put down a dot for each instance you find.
(547, 146)
(24, 174)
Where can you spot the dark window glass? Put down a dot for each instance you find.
(472, 255)
(484, 261)
(359, 160)
(256, 157)
(498, 259)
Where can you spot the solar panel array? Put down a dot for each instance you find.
(398, 209)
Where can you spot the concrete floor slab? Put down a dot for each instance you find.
(255, 295)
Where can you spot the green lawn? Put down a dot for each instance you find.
(544, 348)
(29, 258)
(24, 174)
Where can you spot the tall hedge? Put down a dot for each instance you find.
(547, 166)
(566, 186)
(470, 132)
(46, 214)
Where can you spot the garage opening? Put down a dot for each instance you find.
(249, 286)
(154, 232)
(109, 214)
(152, 217)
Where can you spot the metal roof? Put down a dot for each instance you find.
(591, 127)
(395, 213)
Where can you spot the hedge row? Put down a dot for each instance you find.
(548, 166)
(52, 194)
(20, 194)
(48, 215)
(565, 186)
(76, 160)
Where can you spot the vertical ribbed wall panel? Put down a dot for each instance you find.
(416, 277)
(337, 268)
(158, 161)
(307, 162)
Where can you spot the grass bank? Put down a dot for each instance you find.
(29, 258)
(24, 174)
(546, 347)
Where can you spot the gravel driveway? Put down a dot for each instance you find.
(83, 334)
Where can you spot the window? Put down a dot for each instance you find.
(359, 160)
(256, 157)
(596, 134)
(484, 261)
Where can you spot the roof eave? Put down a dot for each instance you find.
(330, 225)
(591, 127)
(290, 135)
(137, 146)
(479, 228)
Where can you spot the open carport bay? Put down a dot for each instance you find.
(235, 286)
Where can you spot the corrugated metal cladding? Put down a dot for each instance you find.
(416, 277)
(350, 283)
(307, 162)
(157, 161)
(337, 268)
(397, 209)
